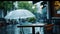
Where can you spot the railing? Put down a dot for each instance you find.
(33, 26)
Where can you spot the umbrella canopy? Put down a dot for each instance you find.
(19, 14)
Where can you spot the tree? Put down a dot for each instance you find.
(6, 6)
(26, 5)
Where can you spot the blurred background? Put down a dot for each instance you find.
(15, 13)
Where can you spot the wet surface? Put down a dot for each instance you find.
(13, 29)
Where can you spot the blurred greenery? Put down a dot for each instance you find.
(26, 5)
(7, 5)
(32, 19)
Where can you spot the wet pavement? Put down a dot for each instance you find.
(13, 29)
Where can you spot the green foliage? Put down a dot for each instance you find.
(32, 19)
(7, 5)
(26, 5)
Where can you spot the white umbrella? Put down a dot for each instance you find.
(19, 14)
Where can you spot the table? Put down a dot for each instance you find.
(33, 26)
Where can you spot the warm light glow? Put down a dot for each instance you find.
(57, 5)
